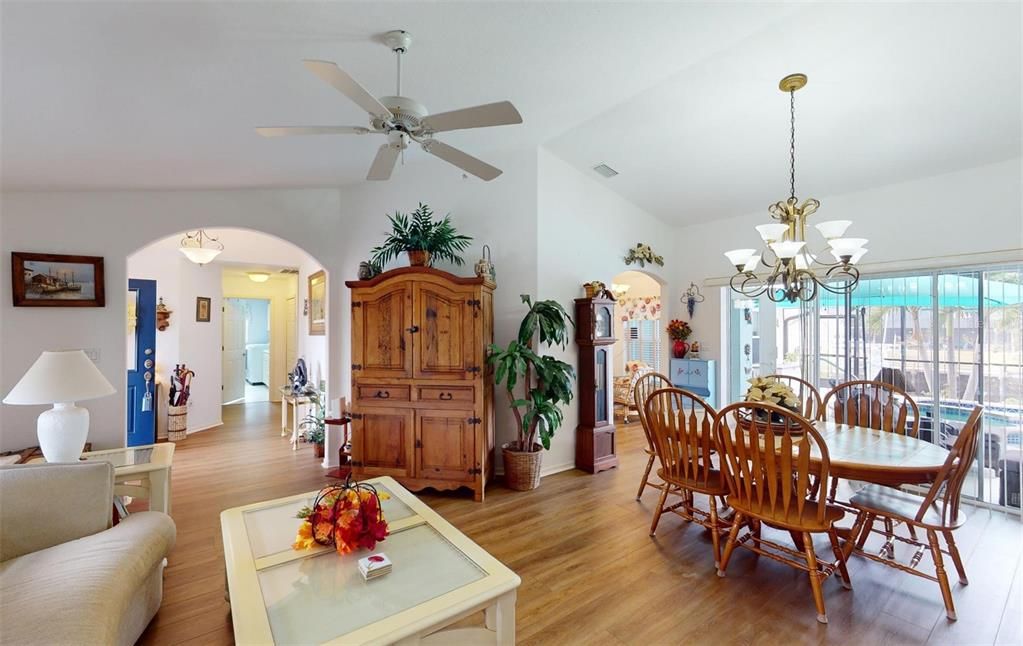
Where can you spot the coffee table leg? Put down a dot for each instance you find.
(159, 491)
(284, 416)
(500, 618)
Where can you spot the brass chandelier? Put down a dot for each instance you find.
(790, 266)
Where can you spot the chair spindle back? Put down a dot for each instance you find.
(811, 405)
(948, 485)
(647, 384)
(873, 404)
(765, 455)
(683, 437)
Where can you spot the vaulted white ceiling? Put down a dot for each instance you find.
(680, 98)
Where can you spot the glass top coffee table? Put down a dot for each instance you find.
(439, 576)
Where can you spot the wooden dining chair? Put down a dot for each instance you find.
(769, 456)
(936, 513)
(811, 405)
(647, 384)
(682, 428)
(871, 404)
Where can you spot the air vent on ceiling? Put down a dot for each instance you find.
(604, 170)
(289, 270)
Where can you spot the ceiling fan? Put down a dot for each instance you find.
(403, 120)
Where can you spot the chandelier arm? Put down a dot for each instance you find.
(743, 289)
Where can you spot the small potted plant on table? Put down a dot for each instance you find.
(544, 385)
(313, 425)
(422, 238)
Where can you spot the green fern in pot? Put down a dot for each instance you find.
(424, 239)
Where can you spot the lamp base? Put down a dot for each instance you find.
(62, 431)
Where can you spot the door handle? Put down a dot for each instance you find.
(383, 394)
(446, 397)
(413, 329)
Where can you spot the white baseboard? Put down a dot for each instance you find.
(203, 428)
(557, 468)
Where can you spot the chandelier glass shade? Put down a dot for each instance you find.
(200, 247)
(789, 270)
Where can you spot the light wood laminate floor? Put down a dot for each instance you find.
(590, 573)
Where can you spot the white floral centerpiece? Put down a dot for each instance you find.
(768, 390)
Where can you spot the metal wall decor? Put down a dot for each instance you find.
(691, 297)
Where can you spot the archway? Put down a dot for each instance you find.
(638, 315)
(271, 322)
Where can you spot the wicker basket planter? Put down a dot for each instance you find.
(522, 468)
(177, 423)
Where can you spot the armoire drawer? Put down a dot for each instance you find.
(381, 393)
(430, 395)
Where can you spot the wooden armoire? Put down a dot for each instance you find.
(422, 405)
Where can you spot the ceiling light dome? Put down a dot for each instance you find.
(258, 276)
(200, 247)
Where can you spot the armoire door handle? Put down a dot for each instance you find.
(446, 396)
(413, 329)
(383, 394)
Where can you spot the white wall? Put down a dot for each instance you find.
(923, 223)
(584, 232)
(114, 225)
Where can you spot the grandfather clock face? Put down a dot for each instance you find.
(602, 321)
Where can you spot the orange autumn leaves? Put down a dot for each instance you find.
(347, 516)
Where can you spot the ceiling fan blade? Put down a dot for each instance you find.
(502, 113)
(465, 161)
(348, 86)
(384, 162)
(291, 131)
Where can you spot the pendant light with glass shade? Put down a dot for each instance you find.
(790, 265)
(200, 247)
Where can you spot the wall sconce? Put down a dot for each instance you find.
(162, 316)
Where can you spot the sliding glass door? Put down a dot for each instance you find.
(951, 339)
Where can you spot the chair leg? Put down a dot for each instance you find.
(815, 578)
(867, 527)
(840, 555)
(834, 490)
(939, 570)
(888, 549)
(646, 476)
(958, 560)
(854, 534)
(756, 533)
(659, 510)
(715, 532)
(730, 545)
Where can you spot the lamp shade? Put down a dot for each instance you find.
(833, 228)
(788, 249)
(772, 232)
(56, 377)
(200, 255)
(739, 257)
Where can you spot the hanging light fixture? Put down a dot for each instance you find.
(200, 247)
(790, 265)
(258, 276)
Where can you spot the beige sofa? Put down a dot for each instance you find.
(66, 575)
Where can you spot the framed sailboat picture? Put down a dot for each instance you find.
(53, 280)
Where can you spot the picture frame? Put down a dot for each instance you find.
(203, 305)
(318, 303)
(57, 280)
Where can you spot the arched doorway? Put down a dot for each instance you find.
(239, 323)
(638, 315)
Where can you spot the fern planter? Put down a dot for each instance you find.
(418, 257)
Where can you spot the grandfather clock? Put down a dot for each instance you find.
(595, 435)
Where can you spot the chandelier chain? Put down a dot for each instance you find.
(792, 144)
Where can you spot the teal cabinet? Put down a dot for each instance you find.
(698, 376)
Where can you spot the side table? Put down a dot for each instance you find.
(295, 403)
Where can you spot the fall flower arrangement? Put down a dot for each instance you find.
(346, 516)
(679, 330)
(771, 391)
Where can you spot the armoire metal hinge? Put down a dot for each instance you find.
(355, 463)
(474, 420)
(473, 302)
(419, 444)
(356, 366)
(356, 415)
(356, 304)
(475, 471)
(473, 369)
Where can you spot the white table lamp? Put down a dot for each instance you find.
(61, 379)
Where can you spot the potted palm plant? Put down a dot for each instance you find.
(313, 424)
(422, 238)
(537, 387)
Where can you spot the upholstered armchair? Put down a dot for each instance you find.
(625, 384)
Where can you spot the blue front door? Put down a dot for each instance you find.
(141, 362)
